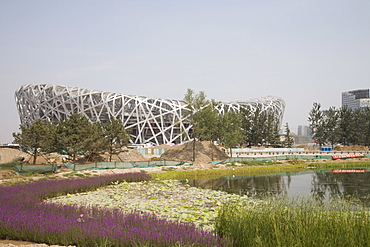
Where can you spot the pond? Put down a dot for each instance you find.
(324, 185)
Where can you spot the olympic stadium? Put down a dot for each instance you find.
(151, 120)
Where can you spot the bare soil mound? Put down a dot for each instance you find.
(8, 155)
(126, 155)
(164, 146)
(351, 148)
(204, 152)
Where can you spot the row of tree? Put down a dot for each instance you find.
(72, 136)
(340, 126)
(256, 127)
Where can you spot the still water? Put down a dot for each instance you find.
(323, 185)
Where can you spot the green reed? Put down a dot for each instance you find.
(295, 222)
(238, 171)
(340, 164)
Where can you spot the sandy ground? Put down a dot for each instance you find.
(10, 243)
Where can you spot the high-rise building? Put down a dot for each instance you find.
(356, 99)
(304, 130)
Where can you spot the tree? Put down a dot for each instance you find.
(96, 141)
(195, 103)
(361, 128)
(247, 124)
(231, 129)
(271, 131)
(74, 135)
(256, 135)
(115, 136)
(36, 138)
(207, 126)
(346, 126)
(316, 121)
(367, 126)
(288, 139)
(275, 137)
(332, 130)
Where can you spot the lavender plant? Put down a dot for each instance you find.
(25, 216)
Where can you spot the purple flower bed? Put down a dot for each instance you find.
(24, 216)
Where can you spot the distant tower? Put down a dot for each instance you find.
(304, 130)
(356, 99)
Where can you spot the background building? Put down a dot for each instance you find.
(304, 130)
(151, 120)
(356, 99)
(304, 136)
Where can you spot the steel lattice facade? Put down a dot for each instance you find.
(151, 120)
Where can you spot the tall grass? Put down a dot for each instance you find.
(295, 222)
(210, 173)
(256, 168)
(25, 216)
(334, 164)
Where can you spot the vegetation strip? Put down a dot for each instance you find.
(24, 216)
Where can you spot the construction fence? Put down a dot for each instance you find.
(96, 165)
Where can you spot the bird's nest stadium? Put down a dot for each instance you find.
(151, 120)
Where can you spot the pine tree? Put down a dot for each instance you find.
(195, 104)
(36, 138)
(316, 121)
(115, 136)
(331, 123)
(231, 129)
(74, 135)
(288, 139)
(346, 126)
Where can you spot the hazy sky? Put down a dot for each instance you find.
(303, 51)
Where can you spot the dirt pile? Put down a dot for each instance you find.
(204, 152)
(351, 148)
(8, 155)
(164, 146)
(126, 155)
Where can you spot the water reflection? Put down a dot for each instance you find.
(354, 186)
(323, 185)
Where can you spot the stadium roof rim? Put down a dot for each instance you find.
(257, 99)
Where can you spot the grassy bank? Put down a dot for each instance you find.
(229, 171)
(330, 165)
(249, 168)
(295, 223)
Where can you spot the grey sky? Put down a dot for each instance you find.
(304, 51)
